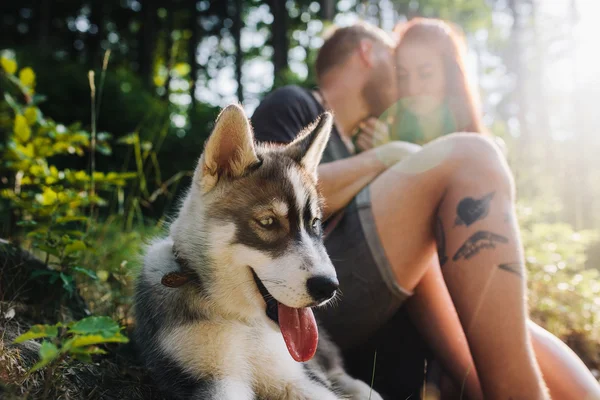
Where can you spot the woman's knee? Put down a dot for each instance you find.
(477, 157)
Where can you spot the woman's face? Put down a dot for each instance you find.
(421, 77)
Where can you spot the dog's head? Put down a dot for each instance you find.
(256, 212)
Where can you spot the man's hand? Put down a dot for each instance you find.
(372, 133)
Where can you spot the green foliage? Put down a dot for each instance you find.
(564, 295)
(51, 204)
(38, 332)
(115, 263)
(130, 106)
(95, 325)
(79, 340)
(48, 353)
(53, 209)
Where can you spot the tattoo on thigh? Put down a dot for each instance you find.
(470, 210)
(441, 241)
(479, 240)
(516, 268)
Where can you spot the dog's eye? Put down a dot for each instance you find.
(316, 225)
(266, 222)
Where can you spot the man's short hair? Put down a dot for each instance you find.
(340, 42)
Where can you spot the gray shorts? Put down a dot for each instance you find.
(369, 294)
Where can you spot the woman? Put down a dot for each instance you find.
(436, 98)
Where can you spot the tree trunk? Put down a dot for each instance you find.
(147, 40)
(542, 116)
(92, 43)
(279, 40)
(169, 50)
(44, 27)
(515, 64)
(328, 9)
(239, 57)
(192, 47)
(578, 199)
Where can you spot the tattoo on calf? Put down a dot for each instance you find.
(479, 240)
(441, 241)
(470, 210)
(516, 268)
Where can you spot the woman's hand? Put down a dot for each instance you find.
(372, 133)
(393, 152)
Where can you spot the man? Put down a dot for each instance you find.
(386, 206)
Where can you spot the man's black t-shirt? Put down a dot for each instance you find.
(288, 110)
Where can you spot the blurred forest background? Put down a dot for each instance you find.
(84, 184)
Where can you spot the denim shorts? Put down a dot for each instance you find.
(369, 295)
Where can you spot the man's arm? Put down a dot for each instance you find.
(340, 181)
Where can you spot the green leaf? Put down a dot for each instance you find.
(38, 331)
(50, 250)
(54, 278)
(103, 136)
(12, 103)
(68, 284)
(130, 139)
(146, 145)
(29, 222)
(87, 340)
(104, 149)
(48, 197)
(95, 325)
(86, 271)
(88, 350)
(37, 99)
(74, 126)
(182, 69)
(48, 353)
(77, 245)
(64, 220)
(22, 131)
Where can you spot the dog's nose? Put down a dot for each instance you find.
(322, 288)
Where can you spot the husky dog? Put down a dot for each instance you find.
(223, 304)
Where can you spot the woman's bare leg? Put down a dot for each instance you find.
(462, 185)
(565, 374)
(432, 311)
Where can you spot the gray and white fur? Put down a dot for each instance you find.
(251, 216)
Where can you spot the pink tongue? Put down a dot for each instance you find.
(299, 330)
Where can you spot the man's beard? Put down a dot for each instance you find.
(377, 94)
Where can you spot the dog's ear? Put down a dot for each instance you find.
(229, 150)
(308, 147)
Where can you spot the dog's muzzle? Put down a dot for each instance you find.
(272, 306)
(322, 288)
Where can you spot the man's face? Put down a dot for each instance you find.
(379, 91)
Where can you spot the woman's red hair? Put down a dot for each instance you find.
(462, 98)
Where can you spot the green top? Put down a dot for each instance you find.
(408, 127)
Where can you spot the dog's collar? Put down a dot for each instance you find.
(179, 278)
